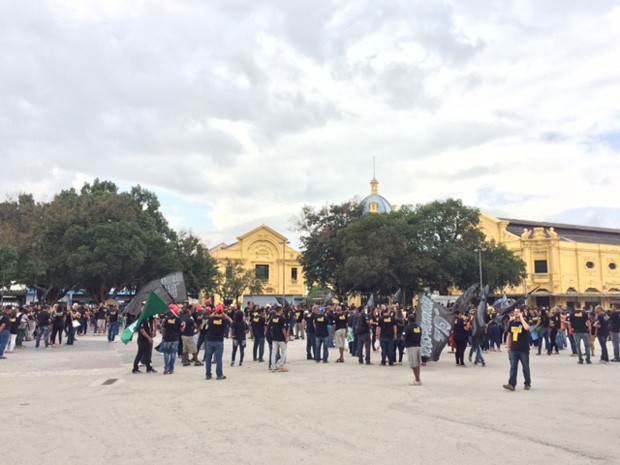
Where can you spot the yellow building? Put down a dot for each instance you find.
(267, 253)
(570, 263)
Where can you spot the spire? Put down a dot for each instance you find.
(374, 184)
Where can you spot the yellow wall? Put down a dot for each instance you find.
(568, 278)
(264, 246)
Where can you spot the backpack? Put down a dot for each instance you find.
(360, 326)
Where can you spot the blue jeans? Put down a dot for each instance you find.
(5, 336)
(515, 357)
(311, 345)
(330, 338)
(259, 348)
(615, 343)
(45, 332)
(602, 340)
(586, 341)
(321, 341)
(112, 331)
(544, 334)
(214, 348)
(169, 349)
(479, 357)
(387, 351)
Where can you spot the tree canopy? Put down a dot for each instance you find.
(98, 240)
(428, 247)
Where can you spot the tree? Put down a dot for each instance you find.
(323, 256)
(501, 267)
(380, 256)
(199, 268)
(235, 280)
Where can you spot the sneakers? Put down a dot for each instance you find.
(151, 370)
(509, 387)
(198, 364)
(135, 371)
(219, 378)
(209, 377)
(416, 383)
(527, 387)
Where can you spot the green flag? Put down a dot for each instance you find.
(154, 306)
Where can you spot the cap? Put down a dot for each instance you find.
(174, 309)
(219, 308)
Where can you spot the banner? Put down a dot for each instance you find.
(170, 289)
(436, 322)
(479, 323)
(154, 306)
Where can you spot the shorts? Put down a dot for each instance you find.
(414, 355)
(189, 344)
(340, 338)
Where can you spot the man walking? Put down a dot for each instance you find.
(216, 329)
(518, 347)
(362, 330)
(145, 347)
(340, 332)
(412, 337)
(310, 334)
(579, 323)
(279, 331)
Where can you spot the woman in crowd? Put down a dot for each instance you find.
(461, 336)
(238, 331)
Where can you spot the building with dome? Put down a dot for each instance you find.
(376, 203)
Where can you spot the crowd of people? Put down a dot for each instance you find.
(387, 332)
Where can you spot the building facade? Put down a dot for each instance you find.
(267, 253)
(568, 263)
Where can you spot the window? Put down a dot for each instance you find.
(294, 274)
(262, 272)
(589, 265)
(540, 266)
(612, 266)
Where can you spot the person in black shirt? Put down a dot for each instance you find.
(188, 330)
(171, 331)
(258, 330)
(543, 332)
(58, 323)
(5, 331)
(112, 318)
(578, 322)
(340, 332)
(386, 333)
(518, 347)
(216, 330)
(145, 347)
(362, 331)
(412, 337)
(614, 329)
(238, 330)
(311, 335)
(279, 330)
(321, 322)
(461, 335)
(602, 331)
(44, 320)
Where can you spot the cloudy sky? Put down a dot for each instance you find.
(237, 113)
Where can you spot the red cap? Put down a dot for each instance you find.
(174, 309)
(219, 308)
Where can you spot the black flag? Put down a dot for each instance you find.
(170, 288)
(436, 322)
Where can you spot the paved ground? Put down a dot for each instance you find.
(56, 410)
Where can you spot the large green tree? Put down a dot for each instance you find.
(323, 255)
(431, 246)
(97, 239)
(199, 268)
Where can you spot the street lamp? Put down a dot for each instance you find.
(284, 272)
(479, 264)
